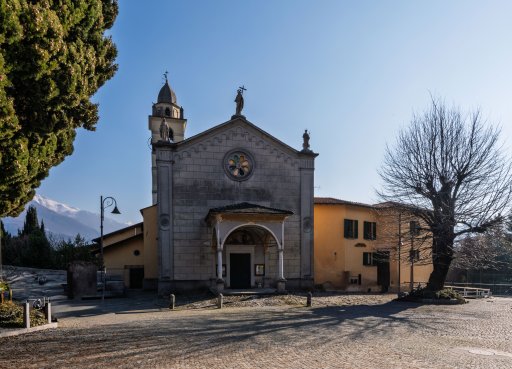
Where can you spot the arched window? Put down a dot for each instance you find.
(167, 112)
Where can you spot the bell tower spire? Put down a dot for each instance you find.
(166, 123)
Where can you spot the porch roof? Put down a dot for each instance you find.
(245, 208)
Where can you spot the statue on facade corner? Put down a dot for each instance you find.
(305, 144)
(239, 99)
(164, 131)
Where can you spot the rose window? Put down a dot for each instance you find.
(239, 165)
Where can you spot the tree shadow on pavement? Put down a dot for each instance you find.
(203, 333)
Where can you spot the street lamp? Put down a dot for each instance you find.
(105, 203)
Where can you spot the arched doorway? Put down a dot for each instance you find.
(247, 229)
(248, 250)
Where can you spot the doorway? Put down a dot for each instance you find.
(240, 270)
(383, 272)
(136, 277)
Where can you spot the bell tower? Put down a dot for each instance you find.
(165, 111)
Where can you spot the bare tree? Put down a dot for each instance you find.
(491, 251)
(449, 166)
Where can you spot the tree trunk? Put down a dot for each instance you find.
(442, 255)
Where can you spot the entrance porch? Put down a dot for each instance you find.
(249, 242)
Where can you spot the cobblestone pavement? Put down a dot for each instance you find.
(383, 335)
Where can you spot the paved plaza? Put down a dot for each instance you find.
(380, 335)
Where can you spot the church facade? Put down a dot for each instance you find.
(232, 207)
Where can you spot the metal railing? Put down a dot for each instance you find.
(496, 289)
(471, 292)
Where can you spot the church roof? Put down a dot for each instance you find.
(247, 208)
(166, 94)
(234, 121)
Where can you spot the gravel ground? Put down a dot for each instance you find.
(343, 331)
(293, 299)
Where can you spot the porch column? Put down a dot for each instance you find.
(280, 267)
(281, 264)
(220, 279)
(219, 264)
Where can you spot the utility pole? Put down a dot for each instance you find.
(399, 248)
(412, 262)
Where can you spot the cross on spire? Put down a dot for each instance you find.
(242, 89)
(165, 75)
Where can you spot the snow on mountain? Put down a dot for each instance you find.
(55, 206)
(63, 221)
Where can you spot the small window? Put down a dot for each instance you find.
(414, 255)
(350, 228)
(354, 280)
(414, 228)
(370, 231)
(167, 112)
(368, 258)
(136, 253)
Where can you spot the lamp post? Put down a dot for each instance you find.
(105, 203)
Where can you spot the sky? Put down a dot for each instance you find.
(351, 72)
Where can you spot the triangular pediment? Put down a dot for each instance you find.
(243, 124)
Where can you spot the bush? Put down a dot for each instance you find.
(4, 286)
(11, 316)
(423, 293)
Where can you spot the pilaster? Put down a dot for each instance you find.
(164, 166)
(307, 171)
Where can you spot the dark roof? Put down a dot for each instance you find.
(141, 224)
(247, 208)
(380, 205)
(333, 201)
(166, 94)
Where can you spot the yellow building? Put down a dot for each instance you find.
(356, 247)
(130, 254)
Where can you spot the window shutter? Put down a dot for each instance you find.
(345, 228)
(356, 229)
(374, 231)
(367, 258)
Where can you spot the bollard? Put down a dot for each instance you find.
(26, 314)
(10, 295)
(48, 311)
(172, 301)
(308, 301)
(220, 301)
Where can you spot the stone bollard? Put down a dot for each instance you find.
(26, 314)
(309, 298)
(10, 295)
(220, 301)
(48, 311)
(172, 301)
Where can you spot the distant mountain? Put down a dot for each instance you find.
(63, 221)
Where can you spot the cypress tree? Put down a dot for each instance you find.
(54, 55)
(31, 223)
